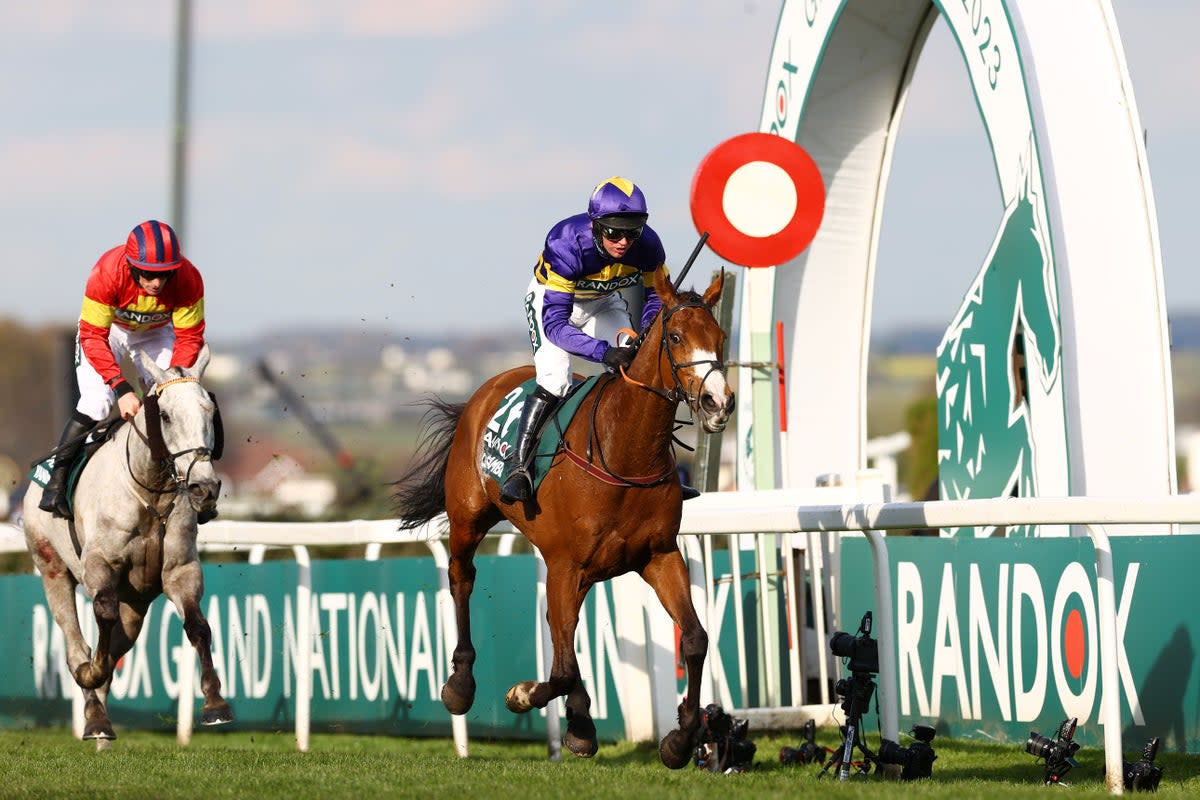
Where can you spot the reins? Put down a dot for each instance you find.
(674, 396)
(159, 453)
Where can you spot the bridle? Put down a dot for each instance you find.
(159, 453)
(677, 393)
(674, 395)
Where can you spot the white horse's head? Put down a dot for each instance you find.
(186, 412)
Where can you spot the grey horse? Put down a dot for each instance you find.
(133, 537)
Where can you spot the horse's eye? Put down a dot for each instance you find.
(675, 338)
(165, 417)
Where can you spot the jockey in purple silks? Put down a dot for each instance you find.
(575, 304)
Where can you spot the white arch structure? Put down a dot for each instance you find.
(1083, 295)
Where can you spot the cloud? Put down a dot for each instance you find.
(79, 167)
(248, 19)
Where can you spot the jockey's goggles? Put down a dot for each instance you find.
(617, 234)
(139, 274)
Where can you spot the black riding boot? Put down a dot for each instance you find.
(538, 407)
(54, 496)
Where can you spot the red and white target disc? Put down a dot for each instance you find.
(760, 197)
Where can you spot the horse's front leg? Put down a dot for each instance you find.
(95, 710)
(565, 591)
(100, 581)
(668, 575)
(458, 693)
(183, 584)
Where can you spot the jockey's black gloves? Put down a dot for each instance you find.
(617, 357)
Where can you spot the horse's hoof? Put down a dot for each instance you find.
(99, 730)
(584, 748)
(457, 702)
(675, 749)
(518, 697)
(216, 716)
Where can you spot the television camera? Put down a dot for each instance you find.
(807, 752)
(917, 759)
(862, 655)
(1143, 774)
(1059, 752)
(723, 745)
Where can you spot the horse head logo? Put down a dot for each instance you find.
(1006, 333)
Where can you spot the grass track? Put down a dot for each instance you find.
(50, 763)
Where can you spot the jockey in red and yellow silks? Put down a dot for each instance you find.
(141, 296)
(113, 298)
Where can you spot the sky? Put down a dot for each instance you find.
(396, 164)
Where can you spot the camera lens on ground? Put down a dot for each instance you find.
(1039, 746)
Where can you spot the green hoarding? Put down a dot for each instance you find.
(999, 637)
(379, 655)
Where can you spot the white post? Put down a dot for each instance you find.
(817, 571)
(1110, 693)
(545, 649)
(185, 664)
(739, 618)
(445, 604)
(769, 667)
(304, 647)
(793, 590)
(885, 624)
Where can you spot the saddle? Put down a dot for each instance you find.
(500, 438)
(39, 472)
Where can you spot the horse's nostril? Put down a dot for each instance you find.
(204, 489)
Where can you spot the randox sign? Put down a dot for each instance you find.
(378, 651)
(994, 641)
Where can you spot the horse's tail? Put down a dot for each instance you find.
(420, 493)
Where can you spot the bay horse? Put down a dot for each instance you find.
(610, 504)
(133, 537)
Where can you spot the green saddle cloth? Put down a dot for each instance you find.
(500, 438)
(39, 473)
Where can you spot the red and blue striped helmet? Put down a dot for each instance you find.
(153, 247)
(618, 200)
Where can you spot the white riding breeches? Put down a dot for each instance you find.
(601, 319)
(95, 398)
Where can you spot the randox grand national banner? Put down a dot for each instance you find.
(378, 658)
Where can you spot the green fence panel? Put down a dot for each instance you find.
(996, 638)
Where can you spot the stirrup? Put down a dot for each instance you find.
(519, 486)
(54, 500)
(52, 503)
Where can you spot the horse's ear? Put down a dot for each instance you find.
(149, 367)
(713, 293)
(665, 290)
(202, 357)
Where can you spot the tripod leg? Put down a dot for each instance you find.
(834, 761)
